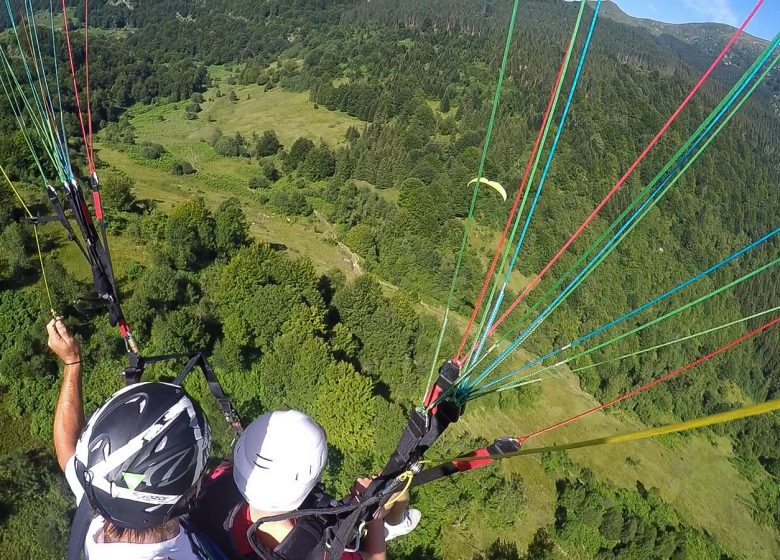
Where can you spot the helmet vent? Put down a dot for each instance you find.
(256, 462)
(161, 445)
(141, 403)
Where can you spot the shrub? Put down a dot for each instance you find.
(259, 182)
(150, 150)
(182, 168)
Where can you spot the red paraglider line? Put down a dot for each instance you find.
(518, 196)
(89, 147)
(630, 170)
(76, 89)
(651, 384)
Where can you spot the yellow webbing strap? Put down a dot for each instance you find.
(731, 415)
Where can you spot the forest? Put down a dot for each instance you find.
(416, 81)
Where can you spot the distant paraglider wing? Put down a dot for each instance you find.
(495, 185)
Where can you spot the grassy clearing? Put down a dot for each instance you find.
(291, 115)
(303, 237)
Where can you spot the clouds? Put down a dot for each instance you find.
(713, 10)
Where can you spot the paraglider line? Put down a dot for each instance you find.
(630, 170)
(653, 383)
(465, 237)
(543, 178)
(628, 227)
(459, 355)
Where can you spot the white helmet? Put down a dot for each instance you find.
(278, 460)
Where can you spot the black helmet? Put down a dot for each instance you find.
(144, 449)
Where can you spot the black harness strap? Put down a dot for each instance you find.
(135, 370)
(422, 431)
(97, 256)
(79, 528)
(61, 218)
(215, 388)
(303, 541)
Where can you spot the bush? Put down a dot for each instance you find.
(259, 182)
(290, 203)
(210, 135)
(182, 168)
(231, 146)
(150, 150)
(270, 171)
(268, 144)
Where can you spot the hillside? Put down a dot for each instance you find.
(704, 35)
(288, 191)
(700, 41)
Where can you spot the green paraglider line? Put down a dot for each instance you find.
(531, 177)
(611, 247)
(630, 170)
(44, 131)
(469, 218)
(490, 387)
(590, 250)
(538, 374)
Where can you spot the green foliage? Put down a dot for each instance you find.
(767, 499)
(117, 190)
(349, 427)
(189, 235)
(182, 167)
(33, 507)
(16, 246)
(319, 163)
(270, 172)
(7, 207)
(151, 150)
(231, 146)
(231, 230)
(290, 202)
(181, 331)
(352, 135)
(121, 132)
(268, 144)
(259, 182)
(256, 293)
(361, 239)
(593, 518)
(297, 154)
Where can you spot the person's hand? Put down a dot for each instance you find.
(62, 343)
(360, 486)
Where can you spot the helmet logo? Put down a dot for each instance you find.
(132, 480)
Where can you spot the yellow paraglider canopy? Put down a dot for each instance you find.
(495, 185)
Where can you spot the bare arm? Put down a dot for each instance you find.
(373, 546)
(69, 414)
